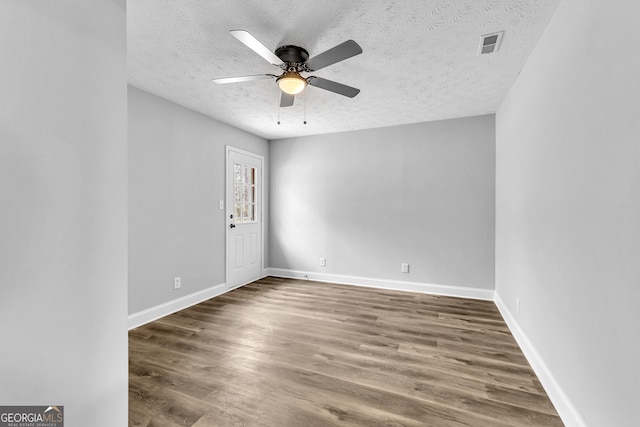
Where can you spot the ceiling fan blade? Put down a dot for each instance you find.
(332, 86)
(335, 54)
(286, 100)
(256, 45)
(243, 78)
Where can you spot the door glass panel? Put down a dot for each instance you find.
(244, 197)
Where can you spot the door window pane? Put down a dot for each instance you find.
(245, 190)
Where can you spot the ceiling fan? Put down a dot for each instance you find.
(293, 60)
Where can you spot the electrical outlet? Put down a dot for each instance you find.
(404, 267)
(518, 305)
(176, 283)
(323, 262)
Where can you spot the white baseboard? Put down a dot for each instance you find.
(568, 413)
(145, 316)
(428, 288)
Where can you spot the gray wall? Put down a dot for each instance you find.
(568, 205)
(176, 178)
(370, 200)
(63, 208)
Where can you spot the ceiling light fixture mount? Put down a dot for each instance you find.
(290, 54)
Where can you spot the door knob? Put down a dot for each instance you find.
(232, 226)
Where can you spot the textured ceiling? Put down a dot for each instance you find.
(419, 60)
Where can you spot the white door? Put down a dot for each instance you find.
(244, 217)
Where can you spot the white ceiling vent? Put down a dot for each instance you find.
(490, 43)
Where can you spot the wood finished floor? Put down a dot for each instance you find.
(282, 352)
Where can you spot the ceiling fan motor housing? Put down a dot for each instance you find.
(290, 54)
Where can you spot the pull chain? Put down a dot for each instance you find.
(278, 107)
(305, 107)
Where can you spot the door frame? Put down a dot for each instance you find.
(229, 210)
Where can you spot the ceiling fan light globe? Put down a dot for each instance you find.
(291, 83)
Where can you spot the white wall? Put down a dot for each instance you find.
(568, 207)
(370, 200)
(63, 209)
(176, 178)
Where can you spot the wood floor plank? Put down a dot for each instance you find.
(283, 352)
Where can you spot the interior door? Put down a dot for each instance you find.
(244, 217)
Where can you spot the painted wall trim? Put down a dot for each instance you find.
(150, 314)
(428, 288)
(264, 274)
(568, 413)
